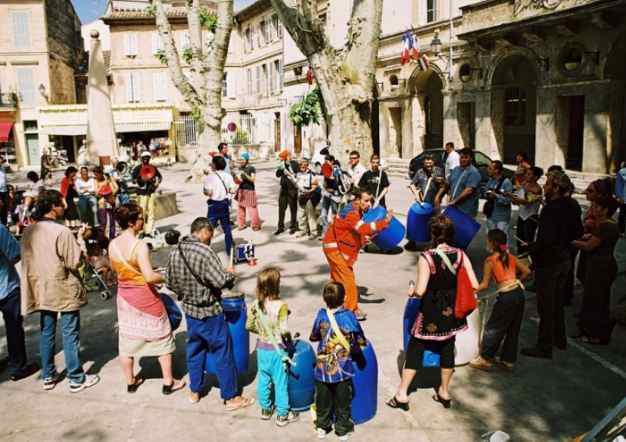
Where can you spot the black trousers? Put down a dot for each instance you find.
(551, 282)
(504, 325)
(526, 232)
(4, 207)
(333, 400)
(621, 219)
(13, 322)
(290, 199)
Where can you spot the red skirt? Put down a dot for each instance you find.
(246, 198)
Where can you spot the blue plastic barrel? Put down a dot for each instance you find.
(365, 382)
(465, 227)
(417, 228)
(390, 237)
(235, 314)
(432, 353)
(173, 312)
(301, 380)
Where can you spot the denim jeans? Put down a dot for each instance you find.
(500, 225)
(272, 379)
(70, 328)
(219, 212)
(88, 209)
(327, 206)
(13, 322)
(211, 334)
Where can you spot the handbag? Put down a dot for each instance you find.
(465, 300)
(173, 312)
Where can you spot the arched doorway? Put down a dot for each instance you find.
(514, 107)
(615, 71)
(427, 85)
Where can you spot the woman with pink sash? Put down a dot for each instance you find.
(144, 327)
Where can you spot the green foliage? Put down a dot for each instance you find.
(187, 55)
(196, 115)
(242, 137)
(308, 110)
(160, 55)
(150, 10)
(208, 20)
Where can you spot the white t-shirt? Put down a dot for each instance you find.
(453, 161)
(356, 173)
(216, 187)
(88, 186)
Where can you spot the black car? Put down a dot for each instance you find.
(481, 161)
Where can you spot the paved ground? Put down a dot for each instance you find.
(540, 401)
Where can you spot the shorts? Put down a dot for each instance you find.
(415, 352)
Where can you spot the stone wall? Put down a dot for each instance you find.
(62, 82)
(64, 37)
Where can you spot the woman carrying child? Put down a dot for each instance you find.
(340, 336)
(505, 321)
(267, 317)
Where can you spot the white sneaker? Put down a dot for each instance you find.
(90, 381)
(345, 437)
(51, 382)
(321, 433)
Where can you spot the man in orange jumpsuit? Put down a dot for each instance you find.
(342, 242)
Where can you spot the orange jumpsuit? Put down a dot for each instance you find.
(342, 242)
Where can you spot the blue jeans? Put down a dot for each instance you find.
(70, 327)
(219, 211)
(327, 206)
(272, 378)
(211, 334)
(88, 209)
(500, 225)
(13, 322)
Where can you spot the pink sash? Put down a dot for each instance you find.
(141, 324)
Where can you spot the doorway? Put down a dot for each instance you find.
(297, 140)
(395, 130)
(277, 133)
(576, 119)
(32, 147)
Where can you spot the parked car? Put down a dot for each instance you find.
(481, 161)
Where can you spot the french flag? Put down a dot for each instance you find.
(409, 48)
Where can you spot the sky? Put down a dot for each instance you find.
(90, 10)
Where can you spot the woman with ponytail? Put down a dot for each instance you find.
(505, 321)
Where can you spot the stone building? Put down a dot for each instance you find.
(41, 51)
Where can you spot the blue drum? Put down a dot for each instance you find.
(301, 380)
(235, 315)
(432, 353)
(365, 382)
(417, 228)
(390, 237)
(465, 227)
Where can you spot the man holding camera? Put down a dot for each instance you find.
(195, 273)
(498, 193)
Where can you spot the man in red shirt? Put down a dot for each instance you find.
(342, 242)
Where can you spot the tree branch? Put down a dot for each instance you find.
(182, 83)
(195, 40)
(305, 31)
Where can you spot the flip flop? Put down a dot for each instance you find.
(242, 403)
(395, 403)
(132, 388)
(174, 386)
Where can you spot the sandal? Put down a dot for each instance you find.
(395, 403)
(445, 402)
(132, 388)
(174, 386)
(243, 402)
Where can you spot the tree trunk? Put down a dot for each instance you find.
(346, 77)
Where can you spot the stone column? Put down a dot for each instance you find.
(595, 157)
(407, 129)
(451, 130)
(418, 125)
(485, 134)
(547, 148)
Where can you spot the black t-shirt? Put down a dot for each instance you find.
(247, 184)
(369, 182)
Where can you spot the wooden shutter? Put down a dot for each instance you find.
(26, 86)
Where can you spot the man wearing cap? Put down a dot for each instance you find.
(288, 195)
(148, 179)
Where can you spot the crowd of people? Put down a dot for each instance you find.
(326, 201)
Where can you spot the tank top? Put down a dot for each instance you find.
(501, 274)
(525, 211)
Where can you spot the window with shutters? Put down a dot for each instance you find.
(133, 87)
(26, 86)
(225, 85)
(160, 82)
(258, 80)
(279, 75)
(270, 80)
(249, 79)
(431, 11)
(264, 85)
(185, 42)
(248, 40)
(262, 34)
(157, 43)
(131, 44)
(21, 29)
(276, 29)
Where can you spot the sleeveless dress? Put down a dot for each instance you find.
(436, 320)
(144, 327)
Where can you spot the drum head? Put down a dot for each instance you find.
(147, 172)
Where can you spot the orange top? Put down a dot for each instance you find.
(127, 271)
(500, 274)
(348, 231)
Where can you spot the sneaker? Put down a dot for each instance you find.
(266, 413)
(345, 437)
(28, 370)
(90, 381)
(282, 421)
(481, 363)
(321, 433)
(50, 382)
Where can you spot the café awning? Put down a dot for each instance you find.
(5, 130)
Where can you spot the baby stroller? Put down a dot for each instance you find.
(96, 274)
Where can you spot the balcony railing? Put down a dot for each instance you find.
(8, 100)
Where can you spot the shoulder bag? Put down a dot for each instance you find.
(490, 204)
(214, 290)
(465, 301)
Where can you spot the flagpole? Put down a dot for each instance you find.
(450, 40)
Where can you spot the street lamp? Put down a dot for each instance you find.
(435, 44)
